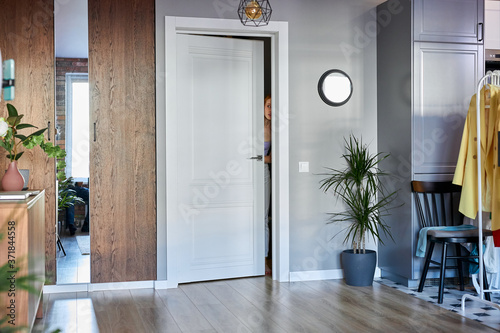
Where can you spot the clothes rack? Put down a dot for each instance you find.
(493, 78)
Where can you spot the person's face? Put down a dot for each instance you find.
(267, 109)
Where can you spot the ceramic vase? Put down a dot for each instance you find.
(12, 180)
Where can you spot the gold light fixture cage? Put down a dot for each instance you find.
(254, 12)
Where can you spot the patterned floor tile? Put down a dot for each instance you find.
(452, 300)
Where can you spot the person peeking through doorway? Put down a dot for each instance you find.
(267, 176)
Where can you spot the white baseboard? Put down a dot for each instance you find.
(165, 284)
(120, 285)
(332, 274)
(90, 287)
(65, 288)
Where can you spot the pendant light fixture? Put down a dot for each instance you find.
(254, 12)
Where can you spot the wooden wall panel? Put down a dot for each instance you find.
(27, 36)
(123, 158)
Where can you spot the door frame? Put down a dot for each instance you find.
(278, 32)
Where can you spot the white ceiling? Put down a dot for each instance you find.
(71, 29)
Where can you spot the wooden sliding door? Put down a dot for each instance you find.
(123, 140)
(27, 30)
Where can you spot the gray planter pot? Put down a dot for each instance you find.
(359, 269)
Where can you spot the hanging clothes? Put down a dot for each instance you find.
(491, 256)
(466, 170)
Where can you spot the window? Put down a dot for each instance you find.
(77, 126)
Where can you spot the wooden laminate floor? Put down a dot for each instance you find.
(250, 305)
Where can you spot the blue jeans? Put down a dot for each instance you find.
(83, 193)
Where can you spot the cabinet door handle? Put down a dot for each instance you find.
(48, 130)
(95, 134)
(480, 31)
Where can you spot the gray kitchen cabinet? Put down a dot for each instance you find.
(423, 95)
(454, 21)
(444, 79)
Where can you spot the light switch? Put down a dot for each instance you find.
(303, 166)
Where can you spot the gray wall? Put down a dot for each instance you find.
(323, 34)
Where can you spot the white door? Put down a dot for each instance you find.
(219, 196)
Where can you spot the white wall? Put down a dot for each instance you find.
(323, 34)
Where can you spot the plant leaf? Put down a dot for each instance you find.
(12, 110)
(37, 132)
(21, 126)
(18, 155)
(12, 120)
(20, 137)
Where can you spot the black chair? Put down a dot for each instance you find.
(436, 205)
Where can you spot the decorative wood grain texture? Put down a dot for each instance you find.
(123, 158)
(27, 29)
(23, 224)
(253, 305)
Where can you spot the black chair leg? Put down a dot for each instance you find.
(58, 235)
(460, 267)
(59, 244)
(487, 296)
(426, 267)
(442, 274)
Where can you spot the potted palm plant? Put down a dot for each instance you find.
(367, 202)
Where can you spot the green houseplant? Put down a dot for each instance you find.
(23, 282)
(13, 142)
(367, 201)
(66, 196)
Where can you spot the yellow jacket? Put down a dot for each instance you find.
(466, 170)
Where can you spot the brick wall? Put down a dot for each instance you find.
(63, 66)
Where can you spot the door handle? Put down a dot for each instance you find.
(258, 158)
(480, 30)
